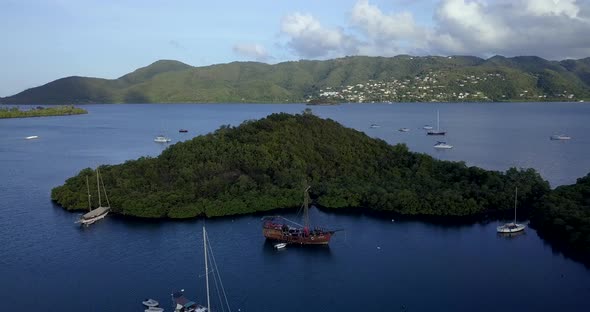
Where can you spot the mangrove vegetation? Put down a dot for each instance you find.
(39, 111)
(264, 164)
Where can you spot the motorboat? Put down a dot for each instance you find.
(403, 129)
(162, 139)
(154, 309)
(183, 131)
(375, 126)
(442, 145)
(560, 137)
(427, 127)
(150, 303)
(280, 245)
(32, 137)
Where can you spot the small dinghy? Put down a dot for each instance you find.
(280, 245)
(150, 303)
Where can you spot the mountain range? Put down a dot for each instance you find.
(426, 78)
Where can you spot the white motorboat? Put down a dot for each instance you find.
(427, 127)
(280, 245)
(162, 139)
(375, 126)
(560, 137)
(150, 303)
(31, 137)
(154, 309)
(442, 145)
(100, 212)
(404, 129)
(512, 227)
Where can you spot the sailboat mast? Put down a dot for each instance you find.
(88, 190)
(515, 196)
(98, 187)
(306, 208)
(206, 268)
(437, 120)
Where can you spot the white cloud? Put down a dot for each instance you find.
(252, 51)
(553, 29)
(308, 38)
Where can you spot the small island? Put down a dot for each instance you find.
(40, 111)
(263, 165)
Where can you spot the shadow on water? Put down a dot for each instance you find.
(317, 251)
(559, 247)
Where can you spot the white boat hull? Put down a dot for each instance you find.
(511, 228)
(31, 137)
(94, 215)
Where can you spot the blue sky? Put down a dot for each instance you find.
(46, 40)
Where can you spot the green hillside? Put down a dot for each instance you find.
(263, 165)
(401, 78)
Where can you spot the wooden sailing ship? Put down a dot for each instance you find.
(280, 229)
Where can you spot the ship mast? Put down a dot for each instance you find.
(305, 207)
(88, 189)
(206, 268)
(515, 196)
(98, 187)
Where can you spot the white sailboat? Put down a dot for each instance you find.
(437, 131)
(182, 304)
(100, 212)
(512, 227)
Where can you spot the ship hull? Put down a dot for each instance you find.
(311, 239)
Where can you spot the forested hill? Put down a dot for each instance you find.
(351, 79)
(564, 219)
(265, 164)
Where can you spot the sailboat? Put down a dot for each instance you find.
(283, 230)
(512, 227)
(100, 212)
(437, 131)
(182, 304)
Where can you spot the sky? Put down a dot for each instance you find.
(44, 40)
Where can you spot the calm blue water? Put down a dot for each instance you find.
(375, 265)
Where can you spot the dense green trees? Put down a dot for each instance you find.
(15, 112)
(564, 218)
(262, 165)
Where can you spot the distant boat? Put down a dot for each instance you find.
(183, 130)
(280, 245)
(375, 126)
(100, 212)
(31, 137)
(560, 137)
(512, 227)
(162, 139)
(437, 131)
(442, 145)
(427, 127)
(283, 230)
(154, 309)
(150, 303)
(403, 129)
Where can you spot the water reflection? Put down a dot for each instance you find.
(317, 251)
(511, 235)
